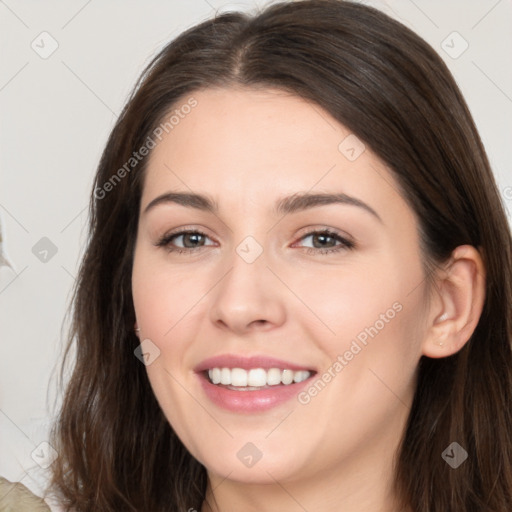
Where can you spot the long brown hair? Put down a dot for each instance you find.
(116, 449)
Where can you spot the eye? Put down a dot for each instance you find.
(326, 241)
(187, 241)
(183, 241)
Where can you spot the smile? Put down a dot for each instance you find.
(255, 378)
(251, 384)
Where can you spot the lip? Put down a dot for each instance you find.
(249, 401)
(246, 363)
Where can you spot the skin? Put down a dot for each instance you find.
(246, 149)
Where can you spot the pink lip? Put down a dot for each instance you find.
(249, 401)
(238, 361)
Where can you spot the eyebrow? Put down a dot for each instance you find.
(289, 204)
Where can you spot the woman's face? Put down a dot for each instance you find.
(253, 286)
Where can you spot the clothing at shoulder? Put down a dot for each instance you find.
(15, 497)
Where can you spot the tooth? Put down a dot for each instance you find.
(225, 376)
(257, 377)
(300, 376)
(287, 377)
(238, 377)
(274, 377)
(215, 376)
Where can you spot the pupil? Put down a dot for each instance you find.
(323, 239)
(193, 237)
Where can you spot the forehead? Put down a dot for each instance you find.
(269, 125)
(250, 146)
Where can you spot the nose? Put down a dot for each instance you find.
(248, 298)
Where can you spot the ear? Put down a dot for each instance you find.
(137, 330)
(458, 303)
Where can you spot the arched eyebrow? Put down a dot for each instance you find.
(284, 206)
(303, 201)
(188, 199)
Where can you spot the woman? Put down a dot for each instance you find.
(296, 292)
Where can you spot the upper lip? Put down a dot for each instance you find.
(247, 363)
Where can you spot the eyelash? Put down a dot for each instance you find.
(345, 244)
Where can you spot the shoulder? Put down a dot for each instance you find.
(15, 497)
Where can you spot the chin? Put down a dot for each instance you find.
(252, 465)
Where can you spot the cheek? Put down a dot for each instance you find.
(161, 296)
(164, 307)
(372, 357)
(370, 315)
(348, 299)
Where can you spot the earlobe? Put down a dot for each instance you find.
(443, 333)
(460, 299)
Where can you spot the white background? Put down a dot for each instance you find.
(56, 114)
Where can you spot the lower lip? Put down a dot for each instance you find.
(250, 401)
